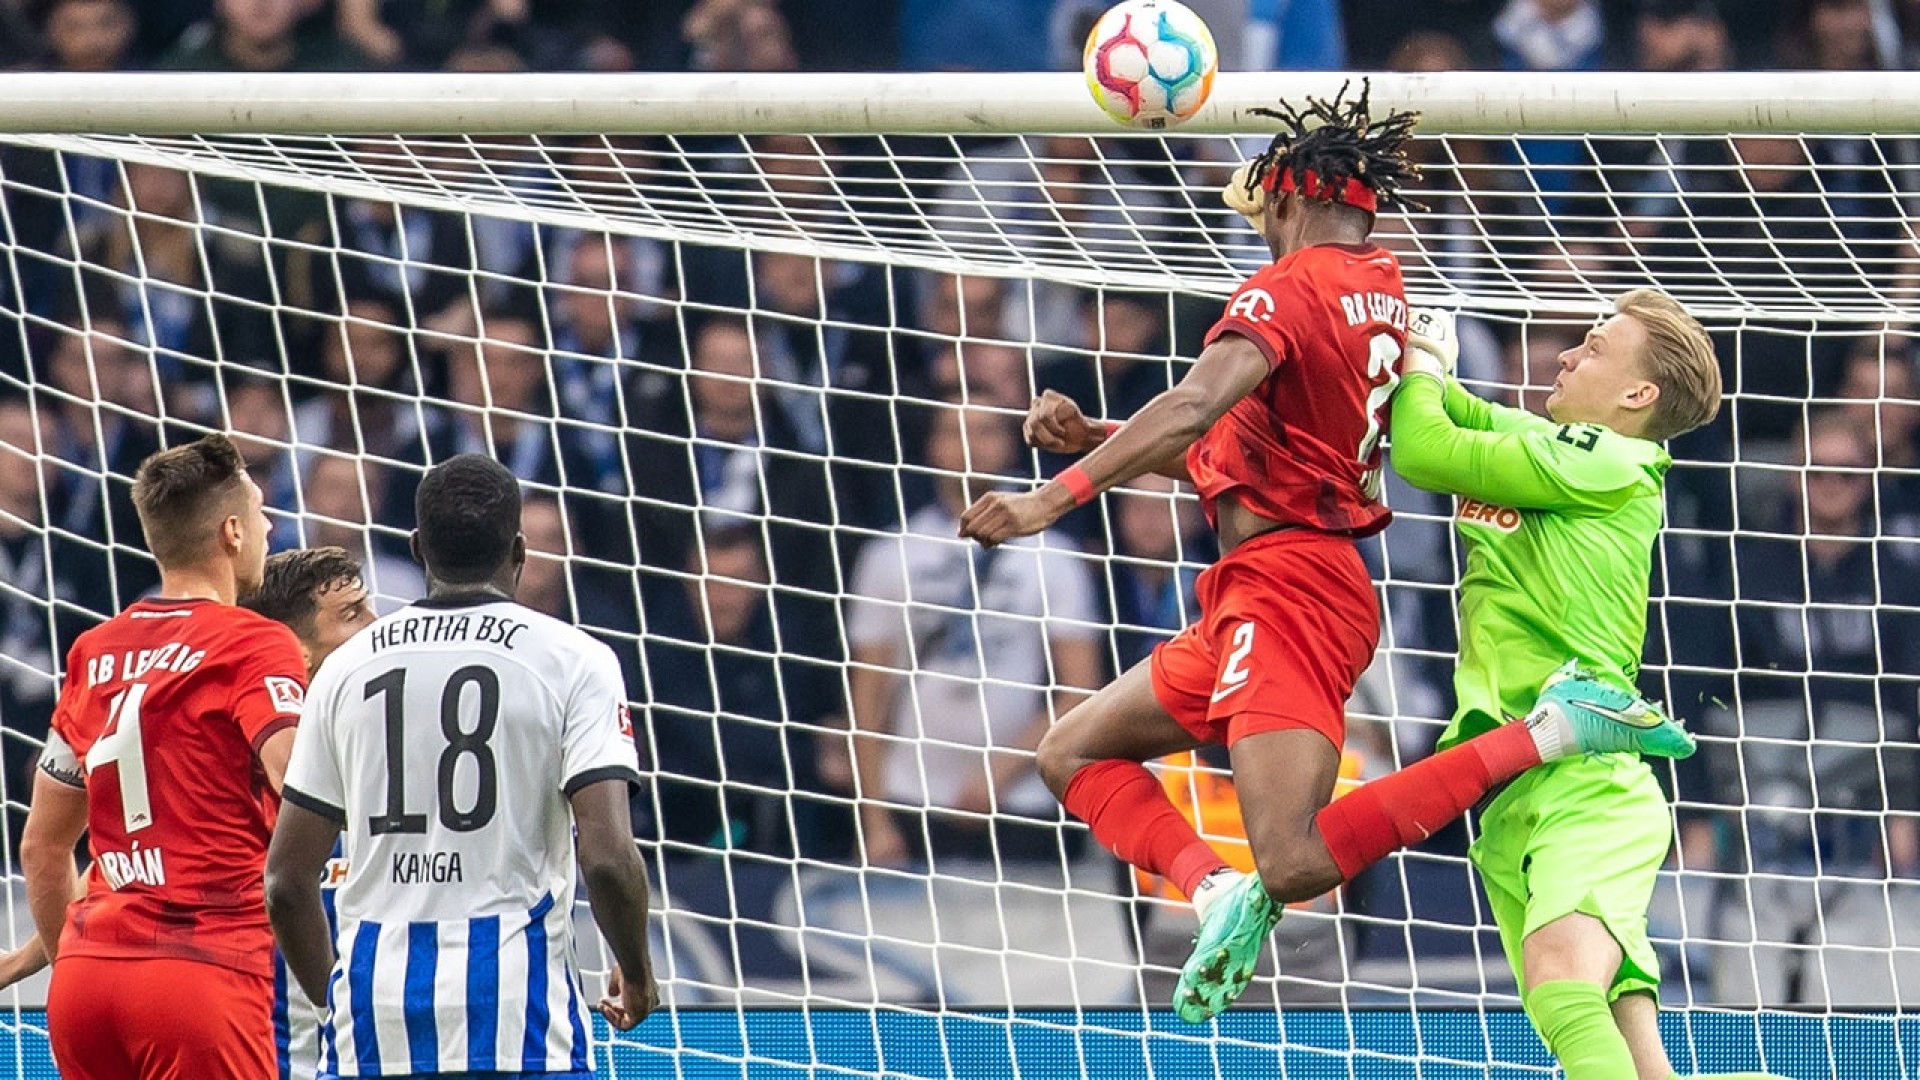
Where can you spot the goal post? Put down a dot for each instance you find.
(747, 337)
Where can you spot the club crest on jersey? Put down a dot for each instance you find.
(1254, 305)
(286, 693)
(1503, 518)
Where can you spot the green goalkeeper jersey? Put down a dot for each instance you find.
(1559, 522)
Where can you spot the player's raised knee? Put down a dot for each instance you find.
(1292, 873)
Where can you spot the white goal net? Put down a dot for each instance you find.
(748, 379)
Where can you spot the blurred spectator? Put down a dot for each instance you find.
(1159, 545)
(1130, 361)
(543, 580)
(339, 496)
(259, 35)
(40, 610)
(733, 715)
(103, 402)
(961, 658)
(504, 403)
(1825, 720)
(719, 453)
(739, 35)
(1062, 196)
(1832, 35)
(1479, 211)
(421, 34)
(559, 581)
(985, 373)
(1842, 636)
(368, 401)
(1682, 35)
(1880, 375)
(193, 296)
(594, 320)
(1551, 35)
(253, 409)
(820, 341)
(808, 342)
(1772, 223)
(88, 35)
(421, 261)
(953, 306)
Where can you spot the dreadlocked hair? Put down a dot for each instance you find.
(1339, 141)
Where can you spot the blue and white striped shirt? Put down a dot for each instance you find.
(498, 993)
(447, 739)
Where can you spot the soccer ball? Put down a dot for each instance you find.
(1150, 63)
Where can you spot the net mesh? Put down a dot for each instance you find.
(746, 382)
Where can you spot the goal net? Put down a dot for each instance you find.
(748, 379)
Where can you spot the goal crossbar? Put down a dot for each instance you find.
(1460, 103)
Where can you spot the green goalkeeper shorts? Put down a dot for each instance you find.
(1586, 834)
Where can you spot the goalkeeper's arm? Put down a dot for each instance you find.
(1439, 442)
(1433, 347)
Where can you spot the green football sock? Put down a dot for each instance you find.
(1574, 1021)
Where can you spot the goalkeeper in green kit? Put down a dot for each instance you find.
(1559, 519)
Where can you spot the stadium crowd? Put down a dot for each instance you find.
(775, 440)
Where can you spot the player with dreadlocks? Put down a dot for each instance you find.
(1278, 426)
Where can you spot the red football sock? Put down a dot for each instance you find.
(1131, 816)
(1404, 808)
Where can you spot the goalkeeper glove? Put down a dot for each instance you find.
(1249, 200)
(1432, 345)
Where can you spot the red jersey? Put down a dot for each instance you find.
(1304, 447)
(166, 705)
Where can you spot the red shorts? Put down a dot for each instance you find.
(159, 1019)
(1288, 621)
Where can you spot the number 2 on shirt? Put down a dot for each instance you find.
(119, 746)
(1382, 353)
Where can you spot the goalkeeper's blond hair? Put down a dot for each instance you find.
(1678, 358)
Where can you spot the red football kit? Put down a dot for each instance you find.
(1289, 619)
(160, 717)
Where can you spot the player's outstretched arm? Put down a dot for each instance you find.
(1545, 468)
(303, 840)
(55, 822)
(1055, 424)
(1228, 370)
(617, 894)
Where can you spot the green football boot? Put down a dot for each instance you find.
(1604, 719)
(1226, 950)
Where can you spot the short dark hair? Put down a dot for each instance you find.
(467, 511)
(183, 493)
(289, 590)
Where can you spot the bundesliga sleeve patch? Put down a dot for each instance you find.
(626, 721)
(286, 693)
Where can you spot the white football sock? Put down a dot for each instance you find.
(1552, 733)
(1211, 888)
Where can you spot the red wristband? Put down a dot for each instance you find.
(1113, 428)
(1078, 484)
